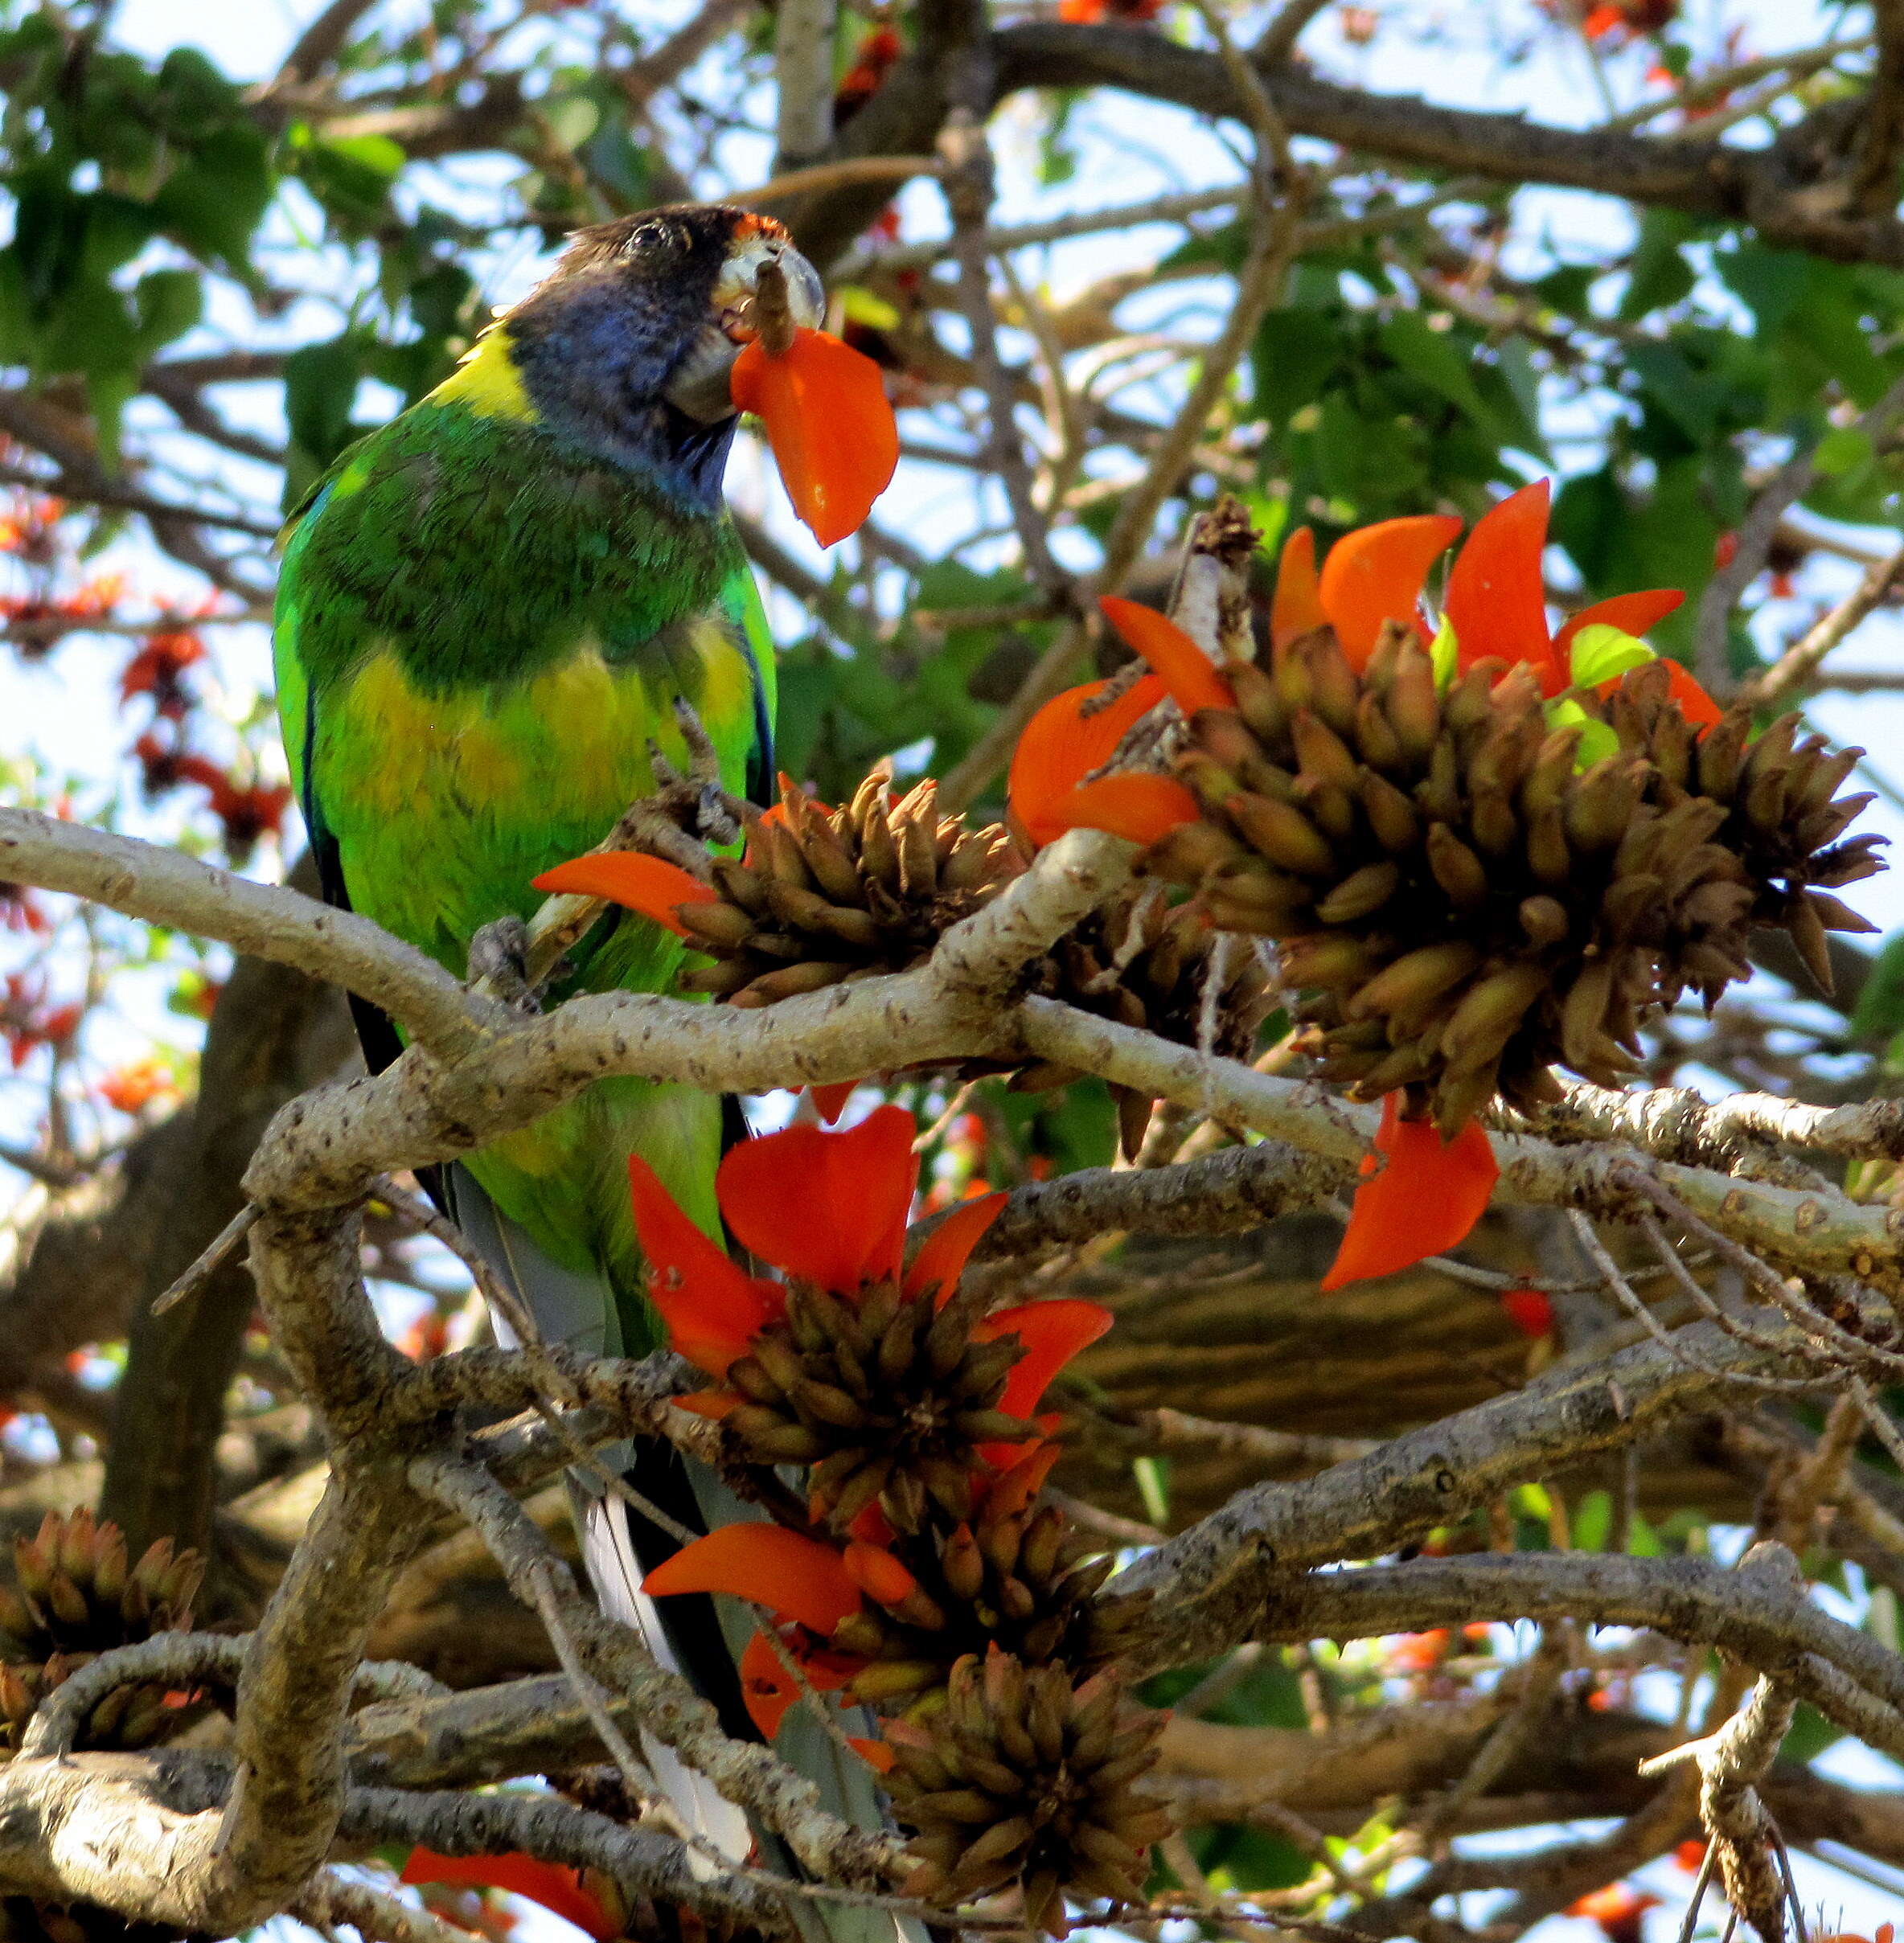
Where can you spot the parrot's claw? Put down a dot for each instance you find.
(499, 962)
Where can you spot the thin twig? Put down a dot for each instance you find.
(210, 1259)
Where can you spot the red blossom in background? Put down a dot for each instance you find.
(1620, 1909)
(1530, 1309)
(21, 911)
(156, 669)
(875, 57)
(28, 1021)
(132, 1089)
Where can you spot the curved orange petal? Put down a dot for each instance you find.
(878, 1574)
(1135, 804)
(1422, 1202)
(1697, 707)
(1297, 608)
(1188, 673)
(766, 1686)
(708, 1304)
(1375, 574)
(942, 1257)
(557, 1889)
(714, 1404)
(1053, 1333)
(827, 418)
(875, 1754)
(649, 885)
(1061, 745)
(787, 1572)
(1682, 686)
(1497, 601)
(831, 1099)
(827, 1205)
(1018, 1485)
(1637, 614)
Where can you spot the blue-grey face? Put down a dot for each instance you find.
(627, 347)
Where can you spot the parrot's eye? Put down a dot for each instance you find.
(654, 239)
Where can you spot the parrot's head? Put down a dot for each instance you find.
(626, 347)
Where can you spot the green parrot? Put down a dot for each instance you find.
(487, 610)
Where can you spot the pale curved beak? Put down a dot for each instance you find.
(700, 385)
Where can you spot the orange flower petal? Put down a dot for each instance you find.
(708, 1304)
(942, 1255)
(1053, 1333)
(1682, 686)
(1187, 672)
(1135, 804)
(824, 407)
(1497, 600)
(878, 1574)
(649, 885)
(831, 1100)
(871, 1527)
(558, 1890)
(766, 1686)
(827, 1205)
(1061, 745)
(1021, 1481)
(792, 1575)
(1422, 1202)
(713, 1404)
(1297, 607)
(1696, 705)
(1375, 574)
(875, 1754)
(1637, 614)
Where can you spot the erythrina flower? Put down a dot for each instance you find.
(649, 885)
(828, 1208)
(557, 1889)
(1618, 1909)
(1530, 1309)
(824, 407)
(1419, 1196)
(1496, 596)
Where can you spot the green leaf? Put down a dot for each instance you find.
(1599, 740)
(1444, 654)
(1879, 1011)
(1844, 448)
(1602, 654)
(1592, 1522)
(1293, 352)
(1810, 1735)
(1659, 275)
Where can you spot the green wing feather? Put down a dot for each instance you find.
(478, 638)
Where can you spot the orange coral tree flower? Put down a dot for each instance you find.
(708, 1304)
(827, 1205)
(797, 1577)
(1185, 670)
(1497, 602)
(1419, 1196)
(1375, 574)
(824, 407)
(1063, 743)
(1072, 735)
(557, 1889)
(1296, 608)
(650, 885)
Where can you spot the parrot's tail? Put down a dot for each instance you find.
(698, 1636)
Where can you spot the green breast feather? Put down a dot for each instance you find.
(477, 637)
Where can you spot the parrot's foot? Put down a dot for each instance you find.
(499, 960)
(685, 809)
